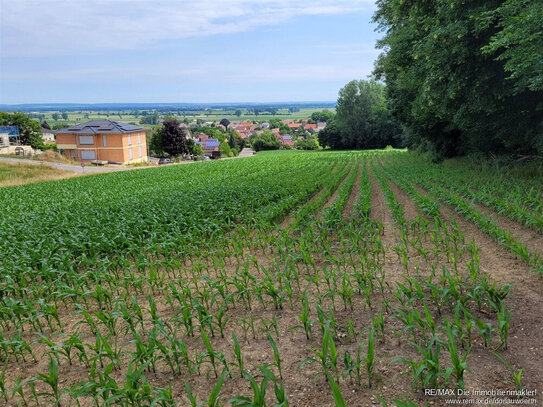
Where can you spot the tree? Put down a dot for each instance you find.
(330, 136)
(309, 143)
(362, 120)
(464, 76)
(55, 116)
(174, 138)
(238, 113)
(265, 141)
(323, 116)
(273, 111)
(29, 130)
(65, 115)
(156, 146)
(519, 43)
(150, 119)
(225, 122)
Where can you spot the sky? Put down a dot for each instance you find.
(177, 51)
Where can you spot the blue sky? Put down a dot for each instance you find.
(81, 51)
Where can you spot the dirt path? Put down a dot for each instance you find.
(354, 196)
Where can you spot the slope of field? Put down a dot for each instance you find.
(346, 278)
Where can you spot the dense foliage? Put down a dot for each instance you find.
(464, 76)
(29, 130)
(265, 141)
(323, 116)
(362, 120)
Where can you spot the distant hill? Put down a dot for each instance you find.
(42, 107)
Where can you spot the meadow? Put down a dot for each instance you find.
(287, 278)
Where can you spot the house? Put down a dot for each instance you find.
(310, 127)
(321, 126)
(47, 135)
(294, 125)
(103, 140)
(210, 146)
(287, 141)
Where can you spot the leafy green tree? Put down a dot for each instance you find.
(174, 138)
(331, 136)
(284, 129)
(519, 42)
(29, 130)
(150, 119)
(464, 76)
(362, 120)
(265, 141)
(65, 115)
(55, 116)
(323, 116)
(156, 146)
(309, 143)
(238, 113)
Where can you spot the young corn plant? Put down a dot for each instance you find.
(276, 355)
(516, 376)
(240, 361)
(51, 379)
(305, 321)
(459, 365)
(370, 357)
(322, 354)
(504, 319)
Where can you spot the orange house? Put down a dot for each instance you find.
(103, 140)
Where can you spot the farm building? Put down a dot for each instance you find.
(103, 140)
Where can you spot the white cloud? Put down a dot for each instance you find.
(55, 27)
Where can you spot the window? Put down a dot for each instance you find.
(140, 152)
(88, 155)
(139, 138)
(72, 153)
(104, 140)
(130, 154)
(129, 139)
(86, 140)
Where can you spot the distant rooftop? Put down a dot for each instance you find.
(100, 127)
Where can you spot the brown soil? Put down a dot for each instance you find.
(525, 299)
(353, 197)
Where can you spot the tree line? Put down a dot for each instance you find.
(464, 76)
